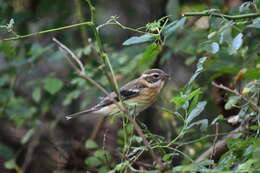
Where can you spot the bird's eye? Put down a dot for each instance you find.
(156, 76)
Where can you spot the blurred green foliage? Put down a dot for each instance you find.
(35, 80)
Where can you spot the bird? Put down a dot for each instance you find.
(140, 92)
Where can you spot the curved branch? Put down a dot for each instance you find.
(230, 17)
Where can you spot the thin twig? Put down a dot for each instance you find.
(73, 56)
(47, 31)
(252, 104)
(214, 142)
(97, 128)
(81, 73)
(146, 143)
(230, 17)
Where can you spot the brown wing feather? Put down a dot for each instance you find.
(128, 91)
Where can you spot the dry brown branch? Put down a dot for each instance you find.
(97, 128)
(252, 104)
(32, 146)
(217, 150)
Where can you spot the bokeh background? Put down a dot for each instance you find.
(38, 87)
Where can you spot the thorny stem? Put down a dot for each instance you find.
(230, 17)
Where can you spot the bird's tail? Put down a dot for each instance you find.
(79, 114)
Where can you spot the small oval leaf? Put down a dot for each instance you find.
(169, 29)
(237, 41)
(139, 39)
(196, 111)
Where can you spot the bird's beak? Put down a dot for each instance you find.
(166, 76)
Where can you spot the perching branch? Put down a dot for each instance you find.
(229, 17)
(252, 104)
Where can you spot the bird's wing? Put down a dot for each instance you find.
(128, 91)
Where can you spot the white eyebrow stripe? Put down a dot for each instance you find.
(154, 74)
(151, 74)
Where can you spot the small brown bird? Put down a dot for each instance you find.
(140, 92)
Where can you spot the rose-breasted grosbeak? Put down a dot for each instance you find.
(140, 92)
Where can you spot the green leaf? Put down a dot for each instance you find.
(11, 164)
(90, 144)
(8, 49)
(172, 27)
(194, 93)
(27, 136)
(103, 169)
(52, 85)
(245, 6)
(178, 100)
(87, 50)
(196, 111)
(177, 114)
(193, 103)
(206, 163)
(34, 54)
(199, 69)
(36, 95)
(203, 124)
(236, 43)
(139, 39)
(102, 155)
(232, 101)
(209, 46)
(6, 94)
(149, 56)
(173, 9)
(255, 24)
(225, 35)
(252, 73)
(214, 47)
(153, 26)
(254, 127)
(6, 152)
(247, 166)
(219, 117)
(93, 162)
(166, 157)
(71, 96)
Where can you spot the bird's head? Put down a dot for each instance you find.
(154, 78)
